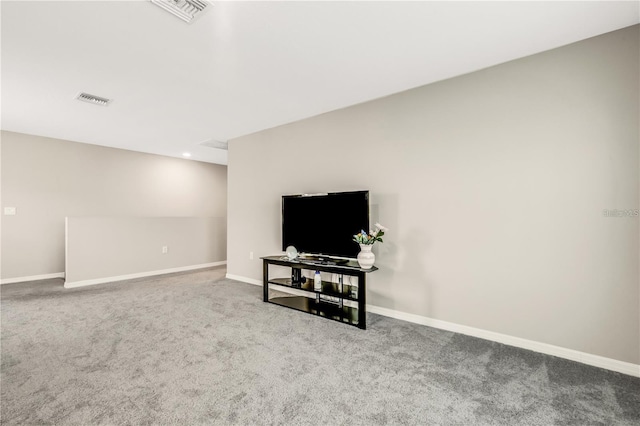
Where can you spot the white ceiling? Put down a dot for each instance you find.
(248, 66)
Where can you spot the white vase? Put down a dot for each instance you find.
(366, 258)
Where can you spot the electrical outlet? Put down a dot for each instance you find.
(9, 211)
(165, 249)
(250, 255)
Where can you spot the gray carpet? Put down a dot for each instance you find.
(195, 348)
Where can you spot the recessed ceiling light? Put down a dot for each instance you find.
(186, 154)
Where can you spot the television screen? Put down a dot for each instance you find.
(325, 224)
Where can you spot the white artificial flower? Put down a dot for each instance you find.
(380, 227)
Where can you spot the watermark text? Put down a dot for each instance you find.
(620, 213)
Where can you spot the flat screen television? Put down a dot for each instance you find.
(324, 224)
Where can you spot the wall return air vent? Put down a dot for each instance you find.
(93, 99)
(187, 10)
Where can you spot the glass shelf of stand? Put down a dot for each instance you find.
(345, 314)
(329, 288)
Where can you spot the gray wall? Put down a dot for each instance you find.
(99, 248)
(48, 179)
(493, 185)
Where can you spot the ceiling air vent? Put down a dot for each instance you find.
(187, 10)
(211, 143)
(92, 99)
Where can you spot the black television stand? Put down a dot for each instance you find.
(329, 302)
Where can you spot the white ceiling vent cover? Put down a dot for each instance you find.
(93, 99)
(215, 144)
(187, 10)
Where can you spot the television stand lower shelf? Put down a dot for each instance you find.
(330, 301)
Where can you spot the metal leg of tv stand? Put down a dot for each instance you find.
(265, 281)
(362, 301)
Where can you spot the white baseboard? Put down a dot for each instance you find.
(545, 348)
(95, 281)
(244, 279)
(32, 278)
(532, 345)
